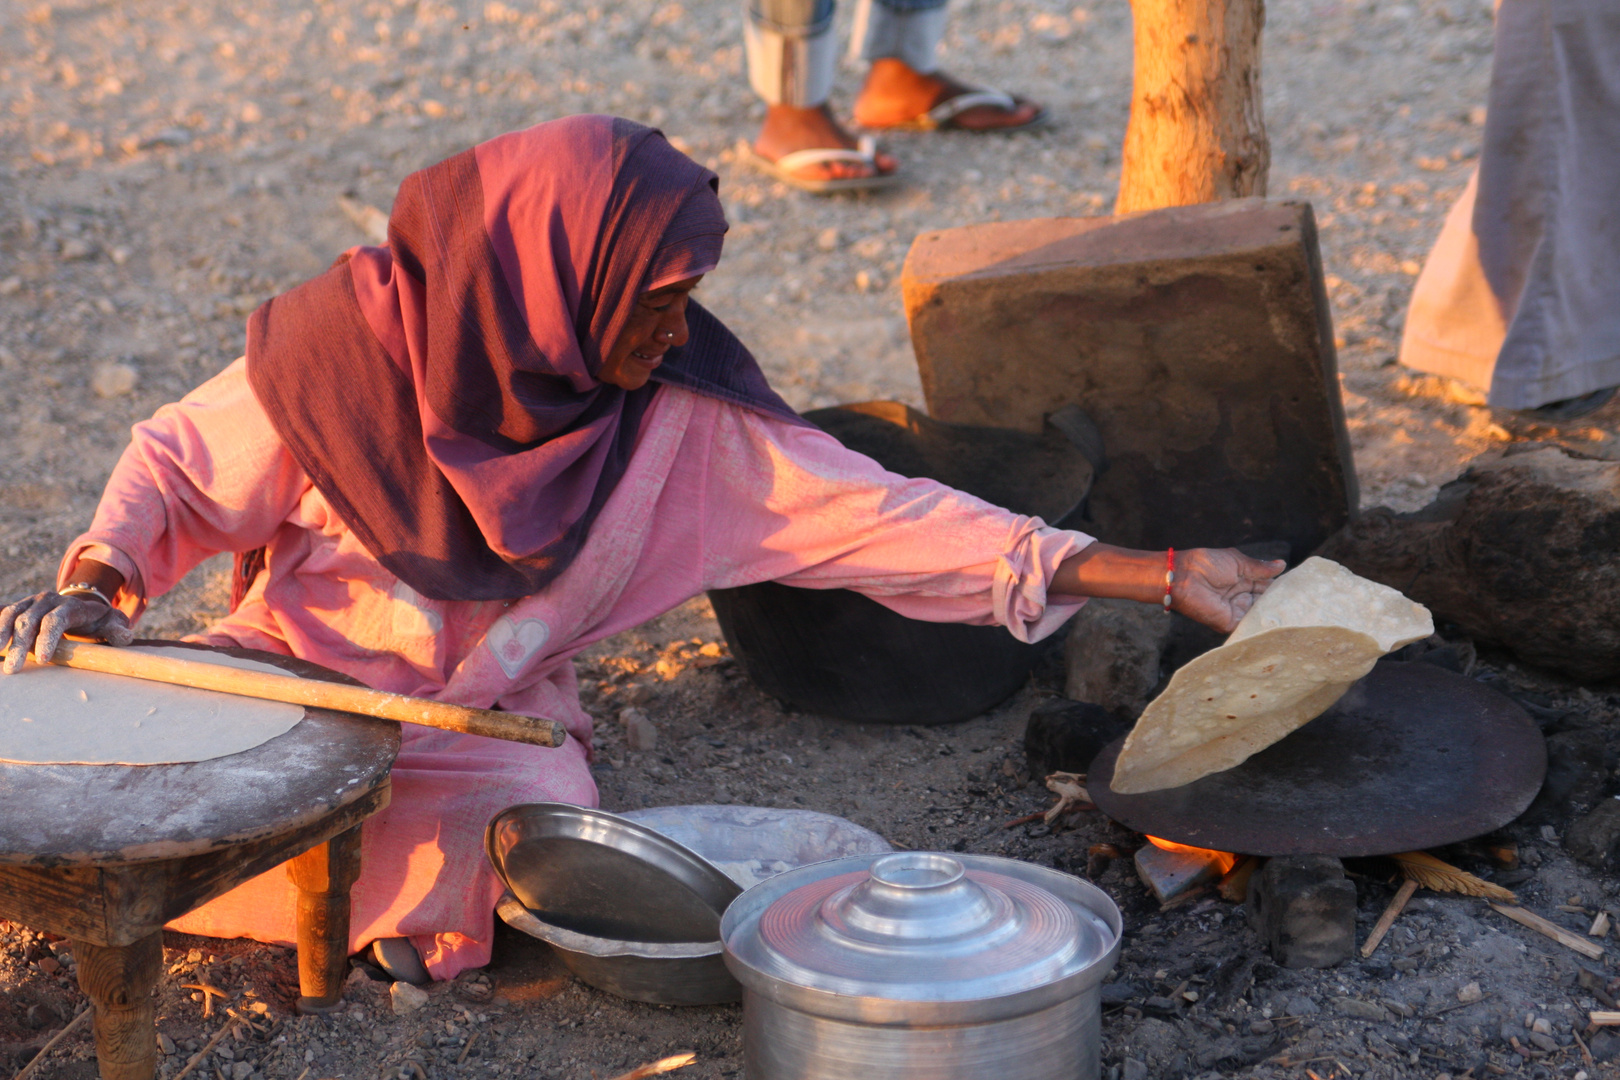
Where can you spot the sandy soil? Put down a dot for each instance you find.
(165, 166)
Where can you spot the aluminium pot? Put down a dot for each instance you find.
(921, 966)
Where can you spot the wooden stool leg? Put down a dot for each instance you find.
(118, 980)
(324, 876)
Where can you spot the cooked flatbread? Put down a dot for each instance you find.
(1316, 631)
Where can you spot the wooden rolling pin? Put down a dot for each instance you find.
(310, 692)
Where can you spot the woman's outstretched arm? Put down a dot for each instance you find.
(1215, 586)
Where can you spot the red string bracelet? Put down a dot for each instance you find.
(1169, 576)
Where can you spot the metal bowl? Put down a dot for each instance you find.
(632, 903)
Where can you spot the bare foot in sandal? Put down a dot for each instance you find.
(788, 130)
(896, 95)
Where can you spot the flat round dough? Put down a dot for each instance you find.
(61, 716)
(1316, 631)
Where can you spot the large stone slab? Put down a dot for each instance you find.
(1197, 337)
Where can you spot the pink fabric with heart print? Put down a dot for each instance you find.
(716, 495)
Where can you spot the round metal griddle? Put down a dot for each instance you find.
(1413, 757)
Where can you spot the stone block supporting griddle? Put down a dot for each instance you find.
(1197, 337)
(1304, 909)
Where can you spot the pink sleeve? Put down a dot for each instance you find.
(204, 475)
(792, 504)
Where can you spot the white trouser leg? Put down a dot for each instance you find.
(789, 69)
(911, 37)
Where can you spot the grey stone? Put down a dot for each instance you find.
(1605, 1046)
(1064, 736)
(1119, 993)
(1198, 337)
(165, 1044)
(1575, 777)
(241, 1070)
(1594, 839)
(1360, 1010)
(1113, 652)
(1300, 1005)
(1134, 1070)
(640, 733)
(1262, 1026)
(1519, 551)
(1304, 909)
(1543, 1042)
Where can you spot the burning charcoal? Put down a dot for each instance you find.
(1064, 736)
(1304, 909)
(1595, 838)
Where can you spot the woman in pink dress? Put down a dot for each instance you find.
(449, 464)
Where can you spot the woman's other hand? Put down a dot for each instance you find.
(38, 623)
(1218, 586)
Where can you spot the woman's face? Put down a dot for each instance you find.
(657, 324)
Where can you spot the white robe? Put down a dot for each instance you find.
(1521, 294)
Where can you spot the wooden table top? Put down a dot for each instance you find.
(83, 815)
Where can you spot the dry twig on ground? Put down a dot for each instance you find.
(654, 1068)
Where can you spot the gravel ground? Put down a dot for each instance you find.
(164, 167)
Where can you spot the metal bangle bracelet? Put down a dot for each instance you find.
(84, 588)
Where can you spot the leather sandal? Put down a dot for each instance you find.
(943, 117)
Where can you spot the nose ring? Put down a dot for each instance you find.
(669, 335)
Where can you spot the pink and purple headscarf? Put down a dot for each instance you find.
(441, 392)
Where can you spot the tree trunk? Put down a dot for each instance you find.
(1196, 132)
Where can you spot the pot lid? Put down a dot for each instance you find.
(916, 926)
(597, 874)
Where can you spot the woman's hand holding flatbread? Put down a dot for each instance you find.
(1218, 586)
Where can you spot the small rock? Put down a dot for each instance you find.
(1575, 777)
(242, 1070)
(1159, 1005)
(114, 380)
(120, 255)
(1119, 993)
(1605, 1046)
(1595, 838)
(640, 733)
(1064, 736)
(1470, 993)
(1361, 1010)
(1541, 1024)
(1543, 1042)
(10, 285)
(165, 1044)
(75, 248)
(406, 998)
(49, 965)
(1134, 1070)
(194, 956)
(1304, 909)
(1300, 1005)
(722, 796)
(1262, 1026)
(827, 239)
(1399, 1008)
